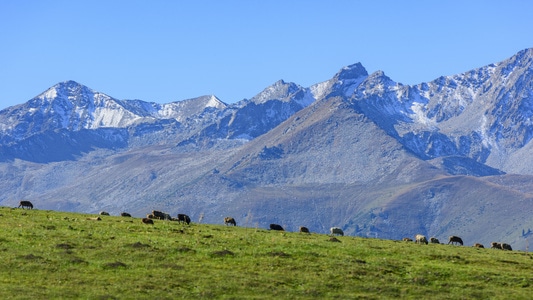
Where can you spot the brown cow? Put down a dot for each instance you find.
(230, 221)
(25, 203)
(478, 245)
(147, 221)
(502, 246)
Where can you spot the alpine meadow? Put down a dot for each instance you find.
(62, 255)
(379, 159)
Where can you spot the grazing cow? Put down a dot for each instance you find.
(276, 227)
(419, 239)
(104, 213)
(478, 245)
(125, 214)
(160, 215)
(147, 221)
(156, 214)
(406, 239)
(304, 229)
(26, 204)
(506, 246)
(230, 221)
(184, 218)
(434, 240)
(455, 240)
(495, 245)
(336, 231)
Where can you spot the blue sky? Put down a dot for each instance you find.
(164, 51)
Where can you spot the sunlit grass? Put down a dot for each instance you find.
(49, 255)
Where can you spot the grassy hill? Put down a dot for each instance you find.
(51, 255)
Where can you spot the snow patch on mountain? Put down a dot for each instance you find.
(215, 102)
(280, 90)
(419, 114)
(319, 90)
(49, 94)
(182, 110)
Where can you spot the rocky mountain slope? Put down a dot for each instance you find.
(359, 151)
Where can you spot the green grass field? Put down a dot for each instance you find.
(52, 255)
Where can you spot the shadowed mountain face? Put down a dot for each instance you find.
(358, 151)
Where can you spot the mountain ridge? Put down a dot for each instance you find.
(360, 151)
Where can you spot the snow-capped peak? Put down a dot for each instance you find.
(215, 102)
(354, 71)
(280, 90)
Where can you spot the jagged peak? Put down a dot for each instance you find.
(379, 77)
(353, 71)
(378, 74)
(282, 83)
(279, 82)
(67, 90)
(69, 83)
(278, 90)
(475, 78)
(205, 101)
(181, 110)
(71, 86)
(210, 101)
(215, 102)
(523, 58)
(526, 53)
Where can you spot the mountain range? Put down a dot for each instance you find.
(359, 151)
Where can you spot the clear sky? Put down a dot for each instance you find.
(165, 51)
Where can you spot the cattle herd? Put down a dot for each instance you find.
(455, 240)
(158, 215)
(185, 219)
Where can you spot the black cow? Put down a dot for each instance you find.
(276, 227)
(184, 218)
(336, 231)
(506, 246)
(160, 215)
(434, 240)
(455, 240)
(26, 204)
(304, 229)
(125, 214)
